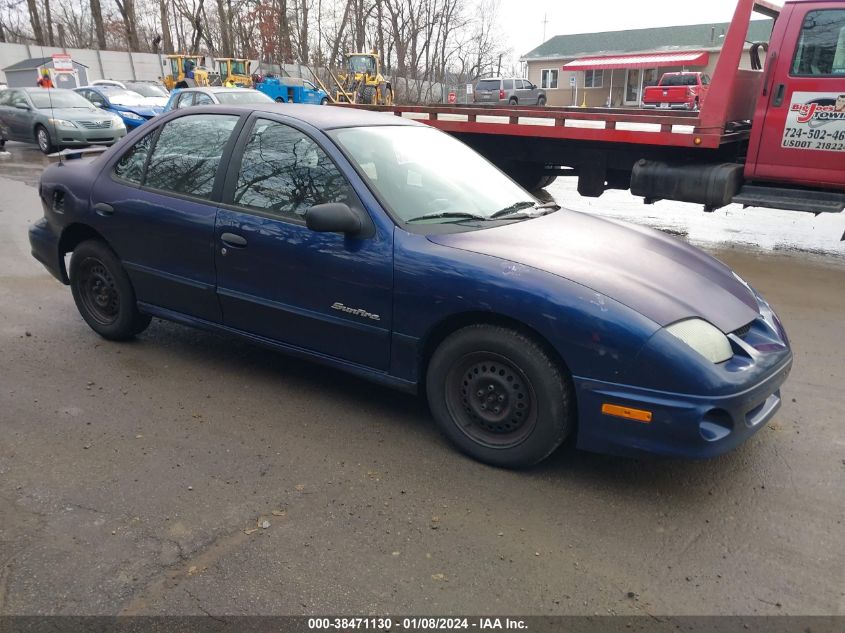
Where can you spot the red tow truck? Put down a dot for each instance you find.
(677, 91)
(772, 136)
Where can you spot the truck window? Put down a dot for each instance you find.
(821, 45)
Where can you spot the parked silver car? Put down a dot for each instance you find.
(55, 118)
(510, 90)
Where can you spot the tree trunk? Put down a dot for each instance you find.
(166, 38)
(225, 30)
(48, 14)
(127, 12)
(35, 20)
(303, 34)
(2, 34)
(97, 17)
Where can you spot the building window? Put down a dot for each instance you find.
(593, 78)
(548, 78)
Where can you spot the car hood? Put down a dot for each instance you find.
(141, 110)
(74, 114)
(657, 275)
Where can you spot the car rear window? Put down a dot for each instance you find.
(488, 84)
(679, 80)
(242, 98)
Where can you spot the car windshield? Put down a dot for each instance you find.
(148, 90)
(242, 97)
(44, 99)
(420, 171)
(125, 97)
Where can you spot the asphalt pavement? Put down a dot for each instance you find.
(192, 473)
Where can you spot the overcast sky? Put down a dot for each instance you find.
(523, 19)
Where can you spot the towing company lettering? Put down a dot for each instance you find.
(815, 121)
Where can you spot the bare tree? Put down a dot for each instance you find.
(35, 21)
(127, 13)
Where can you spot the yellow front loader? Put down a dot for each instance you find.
(361, 81)
(234, 71)
(185, 71)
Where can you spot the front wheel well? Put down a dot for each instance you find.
(73, 236)
(452, 324)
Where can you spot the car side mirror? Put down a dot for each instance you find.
(22, 106)
(333, 217)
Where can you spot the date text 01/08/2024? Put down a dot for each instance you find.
(416, 624)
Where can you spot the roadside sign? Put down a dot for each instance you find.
(453, 97)
(62, 61)
(572, 81)
(469, 89)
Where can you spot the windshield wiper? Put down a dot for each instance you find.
(516, 210)
(459, 215)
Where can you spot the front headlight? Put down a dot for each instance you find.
(63, 123)
(132, 116)
(704, 338)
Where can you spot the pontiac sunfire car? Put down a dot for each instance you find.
(391, 250)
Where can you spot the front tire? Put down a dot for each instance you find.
(541, 102)
(324, 101)
(45, 143)
(498, 396)
(103, 292)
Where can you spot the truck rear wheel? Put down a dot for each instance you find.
(368, 95)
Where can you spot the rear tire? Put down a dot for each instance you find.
(280, 100)
(324, 101)
(45, 143)
(103, 292)
(513, 101)
(498, 396)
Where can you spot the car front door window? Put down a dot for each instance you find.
(203, 99)
(283, 172)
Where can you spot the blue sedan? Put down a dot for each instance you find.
(388, 249)
(132, 107)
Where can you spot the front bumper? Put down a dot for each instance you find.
(79, 137)
(682, 425)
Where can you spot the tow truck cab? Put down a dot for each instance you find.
(798, 131)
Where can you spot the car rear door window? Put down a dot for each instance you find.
(187, 154)
(203, 99)
(130, 166)
(508, 84)
(283, 172)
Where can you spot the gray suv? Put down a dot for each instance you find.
(510, 90)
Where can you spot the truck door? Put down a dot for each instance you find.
(802, 136)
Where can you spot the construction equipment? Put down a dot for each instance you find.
(361, 81)
(186, 71)
(234, 70)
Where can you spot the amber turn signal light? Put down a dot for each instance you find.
(626, 412)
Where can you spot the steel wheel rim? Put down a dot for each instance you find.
(98, 291)
(491, 400)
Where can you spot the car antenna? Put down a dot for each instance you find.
(52, 113)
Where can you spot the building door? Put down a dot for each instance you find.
(632, 86)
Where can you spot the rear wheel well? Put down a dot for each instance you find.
(72, 237)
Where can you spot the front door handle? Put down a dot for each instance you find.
(779, 92)
(232, 240)
(103, 209)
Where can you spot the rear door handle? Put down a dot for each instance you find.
(232, 240)
(103, 209)
(779, 92)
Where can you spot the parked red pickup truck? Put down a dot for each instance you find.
(677, 91)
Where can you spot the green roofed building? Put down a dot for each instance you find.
(638, 57)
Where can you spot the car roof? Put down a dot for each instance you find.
(216, 89)
(39, 89)
(321, 117)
